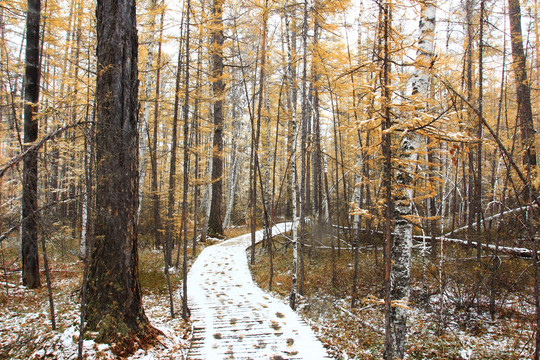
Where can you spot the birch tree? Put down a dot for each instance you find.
(294, 175)
(403, 206)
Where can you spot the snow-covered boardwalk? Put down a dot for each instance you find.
(235, 319)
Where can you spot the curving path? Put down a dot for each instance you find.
(235, 319)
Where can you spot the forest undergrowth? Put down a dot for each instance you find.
(460, 324)
(25, 326)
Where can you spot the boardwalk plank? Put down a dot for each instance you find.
(234, 319)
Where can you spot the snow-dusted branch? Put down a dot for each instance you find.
(15, 160)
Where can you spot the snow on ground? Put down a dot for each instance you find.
(25, 327)
(233, 318)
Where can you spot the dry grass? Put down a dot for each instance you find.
(25, 326)
(462, 328)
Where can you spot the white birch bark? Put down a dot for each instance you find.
(143, 136)
(325, 174)
(233, 172)
(401, 250)
(86, 202)
(294, 175)
(207, 198)
(357, 194)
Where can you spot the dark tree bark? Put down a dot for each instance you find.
(317, 153)
(168, 245)
(185, 309)
(303, 154)
(215, 226)
(468, 177)
(386, 124)
(478, 172)
(156, 226)
(523, 87)
(196, 137)
(527, 138)
(29, 232)
(114, 307)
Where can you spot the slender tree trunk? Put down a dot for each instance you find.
(29, 231)
(470, 187)
(317, 168)
(156, 226)
(185, 309)
(386, 123)
(233, 172)
(292, 86)
(235, 156)
(303, 153)
(526, 125)
(215, 224)
(274, 203)
(168, 246)
(523, 93)
(196, 136)
(148, 79)
(255, 134)
(49, 283)
(88, 194)
(478, 172)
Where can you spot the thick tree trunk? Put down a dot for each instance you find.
(215, 224)
(29, 232)
(114, 307)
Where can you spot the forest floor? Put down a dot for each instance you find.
(25, 326)
(460, 329)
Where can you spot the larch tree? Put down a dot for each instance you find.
(215, 221)
(148, 81)
(526, 125)
(387, 171)
(114, 304)
(29, 225)
(523, 91)
(185, 189)
(168, 244)
(156, 226)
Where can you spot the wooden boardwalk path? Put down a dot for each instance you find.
(235, 319)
